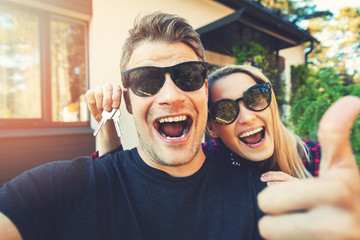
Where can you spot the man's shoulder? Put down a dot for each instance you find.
(112, 162)
(35, 194)
(213, 148)
(53, 173)
(116, 155)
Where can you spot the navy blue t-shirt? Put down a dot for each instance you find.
(119, 196)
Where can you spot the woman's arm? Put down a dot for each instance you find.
(99, 99)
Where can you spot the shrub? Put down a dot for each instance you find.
(314, 96)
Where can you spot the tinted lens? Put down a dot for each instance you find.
(257, 98)
(224, 111)
(189, 76)
(145, 81)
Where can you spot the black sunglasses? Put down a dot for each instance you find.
(147, 81)
(256, 98)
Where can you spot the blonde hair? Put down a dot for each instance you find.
(289, 149)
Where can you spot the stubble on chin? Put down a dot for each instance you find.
(167, 155)
(158, 156)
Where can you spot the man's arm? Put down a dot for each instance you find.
(8, 230)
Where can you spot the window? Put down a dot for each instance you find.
(43, 69)
(68, 70)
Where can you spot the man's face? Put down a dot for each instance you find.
(166, 140)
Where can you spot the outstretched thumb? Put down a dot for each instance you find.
(334, 136)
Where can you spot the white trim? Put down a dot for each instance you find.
(52, 8)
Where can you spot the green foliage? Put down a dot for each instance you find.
(300, 74)
(313, 95)
(248, 52)
(295, 10)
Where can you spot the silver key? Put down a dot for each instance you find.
(105, 116)
(116, 119)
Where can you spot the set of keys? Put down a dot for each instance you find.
(114, 115)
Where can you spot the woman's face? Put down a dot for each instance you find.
(251, 135)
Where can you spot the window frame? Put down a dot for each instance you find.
(44, 39)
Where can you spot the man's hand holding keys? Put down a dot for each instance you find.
(296, 209)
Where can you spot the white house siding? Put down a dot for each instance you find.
(292, 56)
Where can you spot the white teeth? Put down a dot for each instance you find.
(180, 118)
(173, 119)
(251, 132)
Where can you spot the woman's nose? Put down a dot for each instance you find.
(245, 115)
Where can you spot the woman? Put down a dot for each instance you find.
(244, 116)
(245, 122)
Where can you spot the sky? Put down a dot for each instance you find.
(335, 5)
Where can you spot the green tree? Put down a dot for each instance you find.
(299, 76)
(295, 10)
(314, 97)
(249, 52)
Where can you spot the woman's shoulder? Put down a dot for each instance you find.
(312, 146)
(314, 153)
(212, 147)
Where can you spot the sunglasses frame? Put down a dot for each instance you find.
(267, 85)
(163, 70)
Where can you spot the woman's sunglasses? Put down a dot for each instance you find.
(256, 98)
(147, 81)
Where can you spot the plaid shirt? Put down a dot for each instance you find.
(314, 155)
(213, 147)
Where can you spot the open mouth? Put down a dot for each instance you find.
(174, 127)
(253, 137)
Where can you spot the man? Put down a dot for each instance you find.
(166, 188)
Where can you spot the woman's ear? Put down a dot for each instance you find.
(210, 130)
(207, 88)
(127, 100)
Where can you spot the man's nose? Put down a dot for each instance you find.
(170, 93)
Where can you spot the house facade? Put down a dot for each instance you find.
(52, 51)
